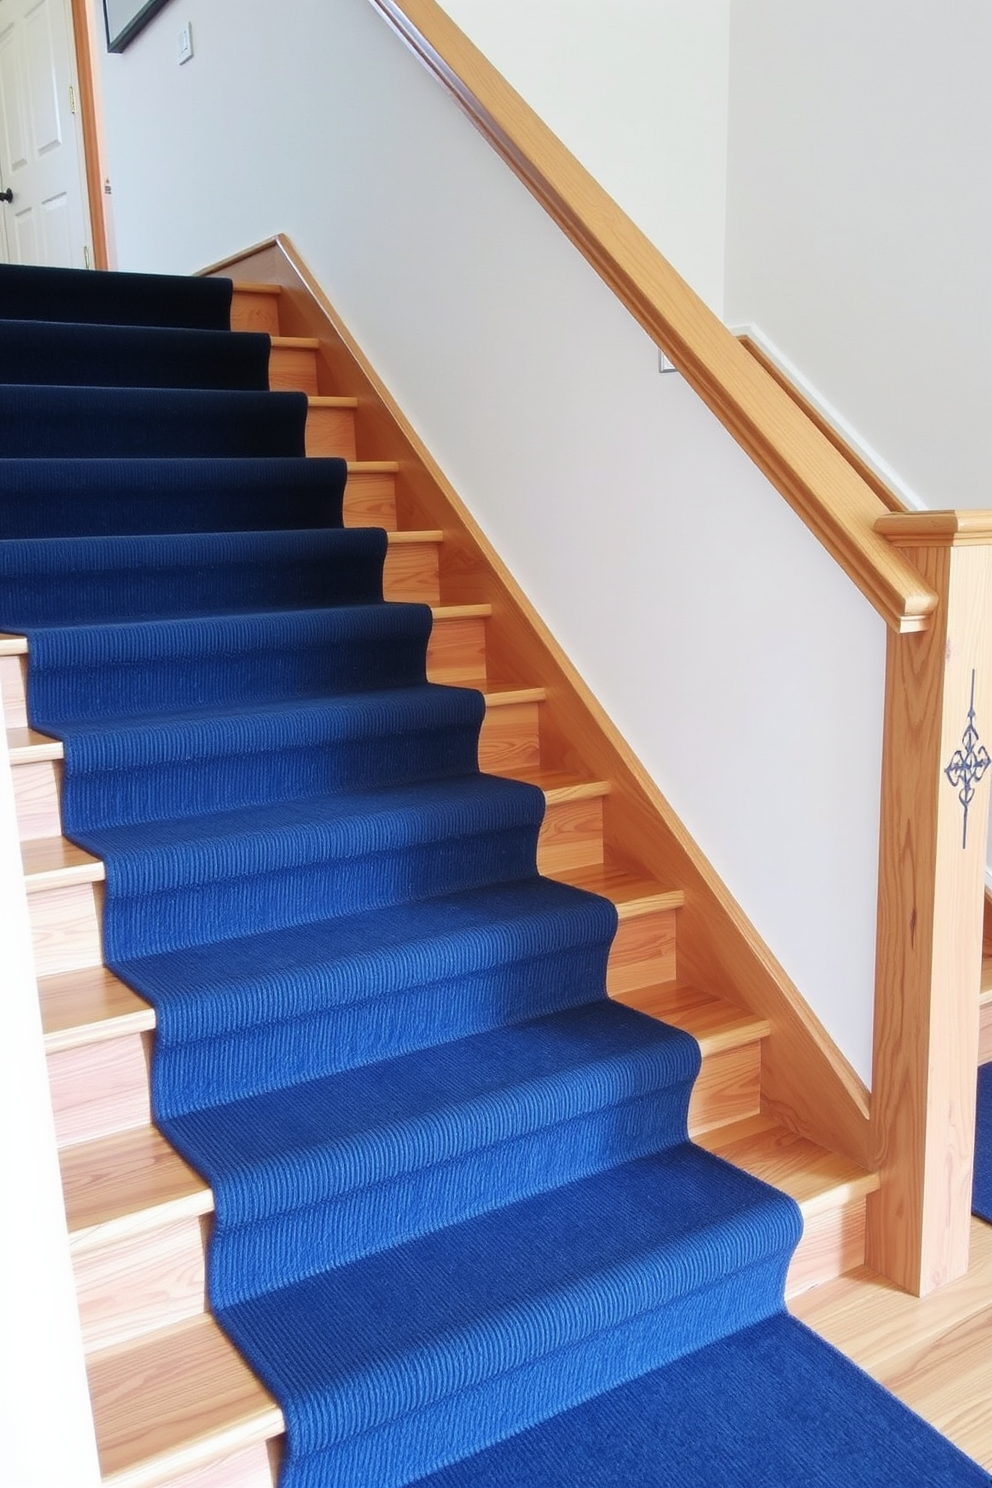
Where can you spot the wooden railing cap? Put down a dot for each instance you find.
(937, 529)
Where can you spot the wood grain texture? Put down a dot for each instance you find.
(510, 740)
(255, 308)
(12, 686)
(65, 928)
(933, 1352)
(56, 863)
(930, 917)
(411, 571)
(330, 429)
(832, 1244)
(727, 1089)
(370, 495)
(175, 1402)
(803, 465)
(256, 1466)
(36, 797)
(985, 1014)
(100, 1089)
(292, 369)
(89, 1006)
(127, 1184)
(804, 1074)
(139, 1283)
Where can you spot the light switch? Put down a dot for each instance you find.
(184, 49)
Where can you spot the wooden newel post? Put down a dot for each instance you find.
(936, 774)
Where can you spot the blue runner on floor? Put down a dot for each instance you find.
(457, 1212)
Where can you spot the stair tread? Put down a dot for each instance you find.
(985, 994)
(628, 889)
(296, 343)
(714, 1023)
(84, 1006)
(815, 1178)
(50, 862)
(127, 1182)
(173, 1400)
(256, 286)
(558, 785)
(27, 746)
(320, 400)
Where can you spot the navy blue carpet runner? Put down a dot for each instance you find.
(460, 1232)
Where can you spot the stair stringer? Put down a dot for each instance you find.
(807, 1082)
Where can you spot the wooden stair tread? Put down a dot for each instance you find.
(27, 746)
(253, 286)
(174, 1400)
(52, 862)
(122, 1184)
(88, 1005)
(295, 343)
(633, 893)
(714, 1023)
(559, 785)
(316, 400)
(815, 1178)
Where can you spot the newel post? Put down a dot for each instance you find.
(936, 775)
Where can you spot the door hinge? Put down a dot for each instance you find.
(72, 99)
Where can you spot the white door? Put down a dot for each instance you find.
(41, 157)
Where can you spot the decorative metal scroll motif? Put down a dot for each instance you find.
(968, 764)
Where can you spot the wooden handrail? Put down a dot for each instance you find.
(837, 506)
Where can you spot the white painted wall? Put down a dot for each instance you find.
(860, 217)
(637, 90)
(45, 1422)
(742, 666)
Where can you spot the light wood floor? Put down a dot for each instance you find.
(935, 1354)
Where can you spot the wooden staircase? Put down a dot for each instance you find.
(173, 1402)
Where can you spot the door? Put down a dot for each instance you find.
(41, 159)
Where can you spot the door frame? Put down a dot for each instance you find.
(93, 155)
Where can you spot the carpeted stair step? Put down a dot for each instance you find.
(56, 353)
(152, 666)
(92, 1005)
(129, 423)
(436, 1348)
(509, 740)
(110, 497)
(82, 297)
(318, 1174)
(136, 1216)
(123, 580)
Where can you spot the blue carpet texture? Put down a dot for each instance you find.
(459, 1230)
(981, 1200)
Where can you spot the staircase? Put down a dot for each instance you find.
(173, 1403)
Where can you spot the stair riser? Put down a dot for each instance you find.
(293, 370)
(255, 312)
(370, 499)
(13, 688)
(65, 928)
(100, 1089)
(331, 431)
(643, 952)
